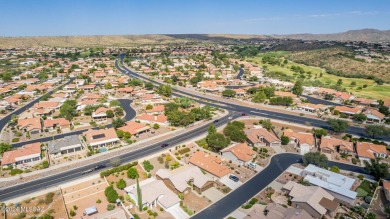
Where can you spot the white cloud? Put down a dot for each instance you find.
(348, 13)
(354, 13)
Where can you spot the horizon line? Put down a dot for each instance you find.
(148, 34)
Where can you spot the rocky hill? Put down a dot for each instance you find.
(368, 35)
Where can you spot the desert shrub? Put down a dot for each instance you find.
(253, 201)
(111, 194)
(110, 207)
(49, 198)
(184, 150)
(147, 165)
(14, 172)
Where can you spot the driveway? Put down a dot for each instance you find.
(276, 185)
(278, 149)
(230, 183)
(294, 170)
(213, 194)
(177, 212)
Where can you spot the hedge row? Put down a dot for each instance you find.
(184, 150)
(117, 169)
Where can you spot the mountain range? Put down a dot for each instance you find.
(368, 35)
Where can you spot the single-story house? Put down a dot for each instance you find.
(374, 115)
(261, 137)
(100, 114)
(240, 153)
(276, 211)
(89, 96)
(310, 107)
(53, 124)
(156, 110)
(300, 140)
(153, 193)
(209, 163)
(313, 199)
(185, 178)
(367, 151)
(339, 186)
(158, 119)
(330, 145)
(348, 111)
(101, 138)
(47, 105)
(31, 125)
(88, 87)
(64, 146)
(135, 128)
(28, 155)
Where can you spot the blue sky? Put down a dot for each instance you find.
(97, 17)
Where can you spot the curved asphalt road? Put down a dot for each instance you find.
(248, 110)
(130, 114)
(279, 163)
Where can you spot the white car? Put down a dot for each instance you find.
(230, 117)
(251, 165)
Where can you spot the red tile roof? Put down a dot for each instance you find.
(366, 149)
(209, 163)
(51, 122)
(134, 127)
(9, 157)
(301, 136)
(242, 151)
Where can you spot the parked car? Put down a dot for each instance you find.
(217, 120)
(164, 145)
(251, 165)
(230, 117)
(243, 114)
(234, 178)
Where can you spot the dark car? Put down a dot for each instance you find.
(164, 145)
(100, 166)
(243, 114)
(87, 171)
(217, 120)
(234, 178)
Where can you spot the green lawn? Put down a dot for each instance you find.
(375, 92)
(361, 192)
(202, 142)
(364, 188)
(372, 90)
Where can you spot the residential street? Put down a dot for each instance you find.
(279, 163)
